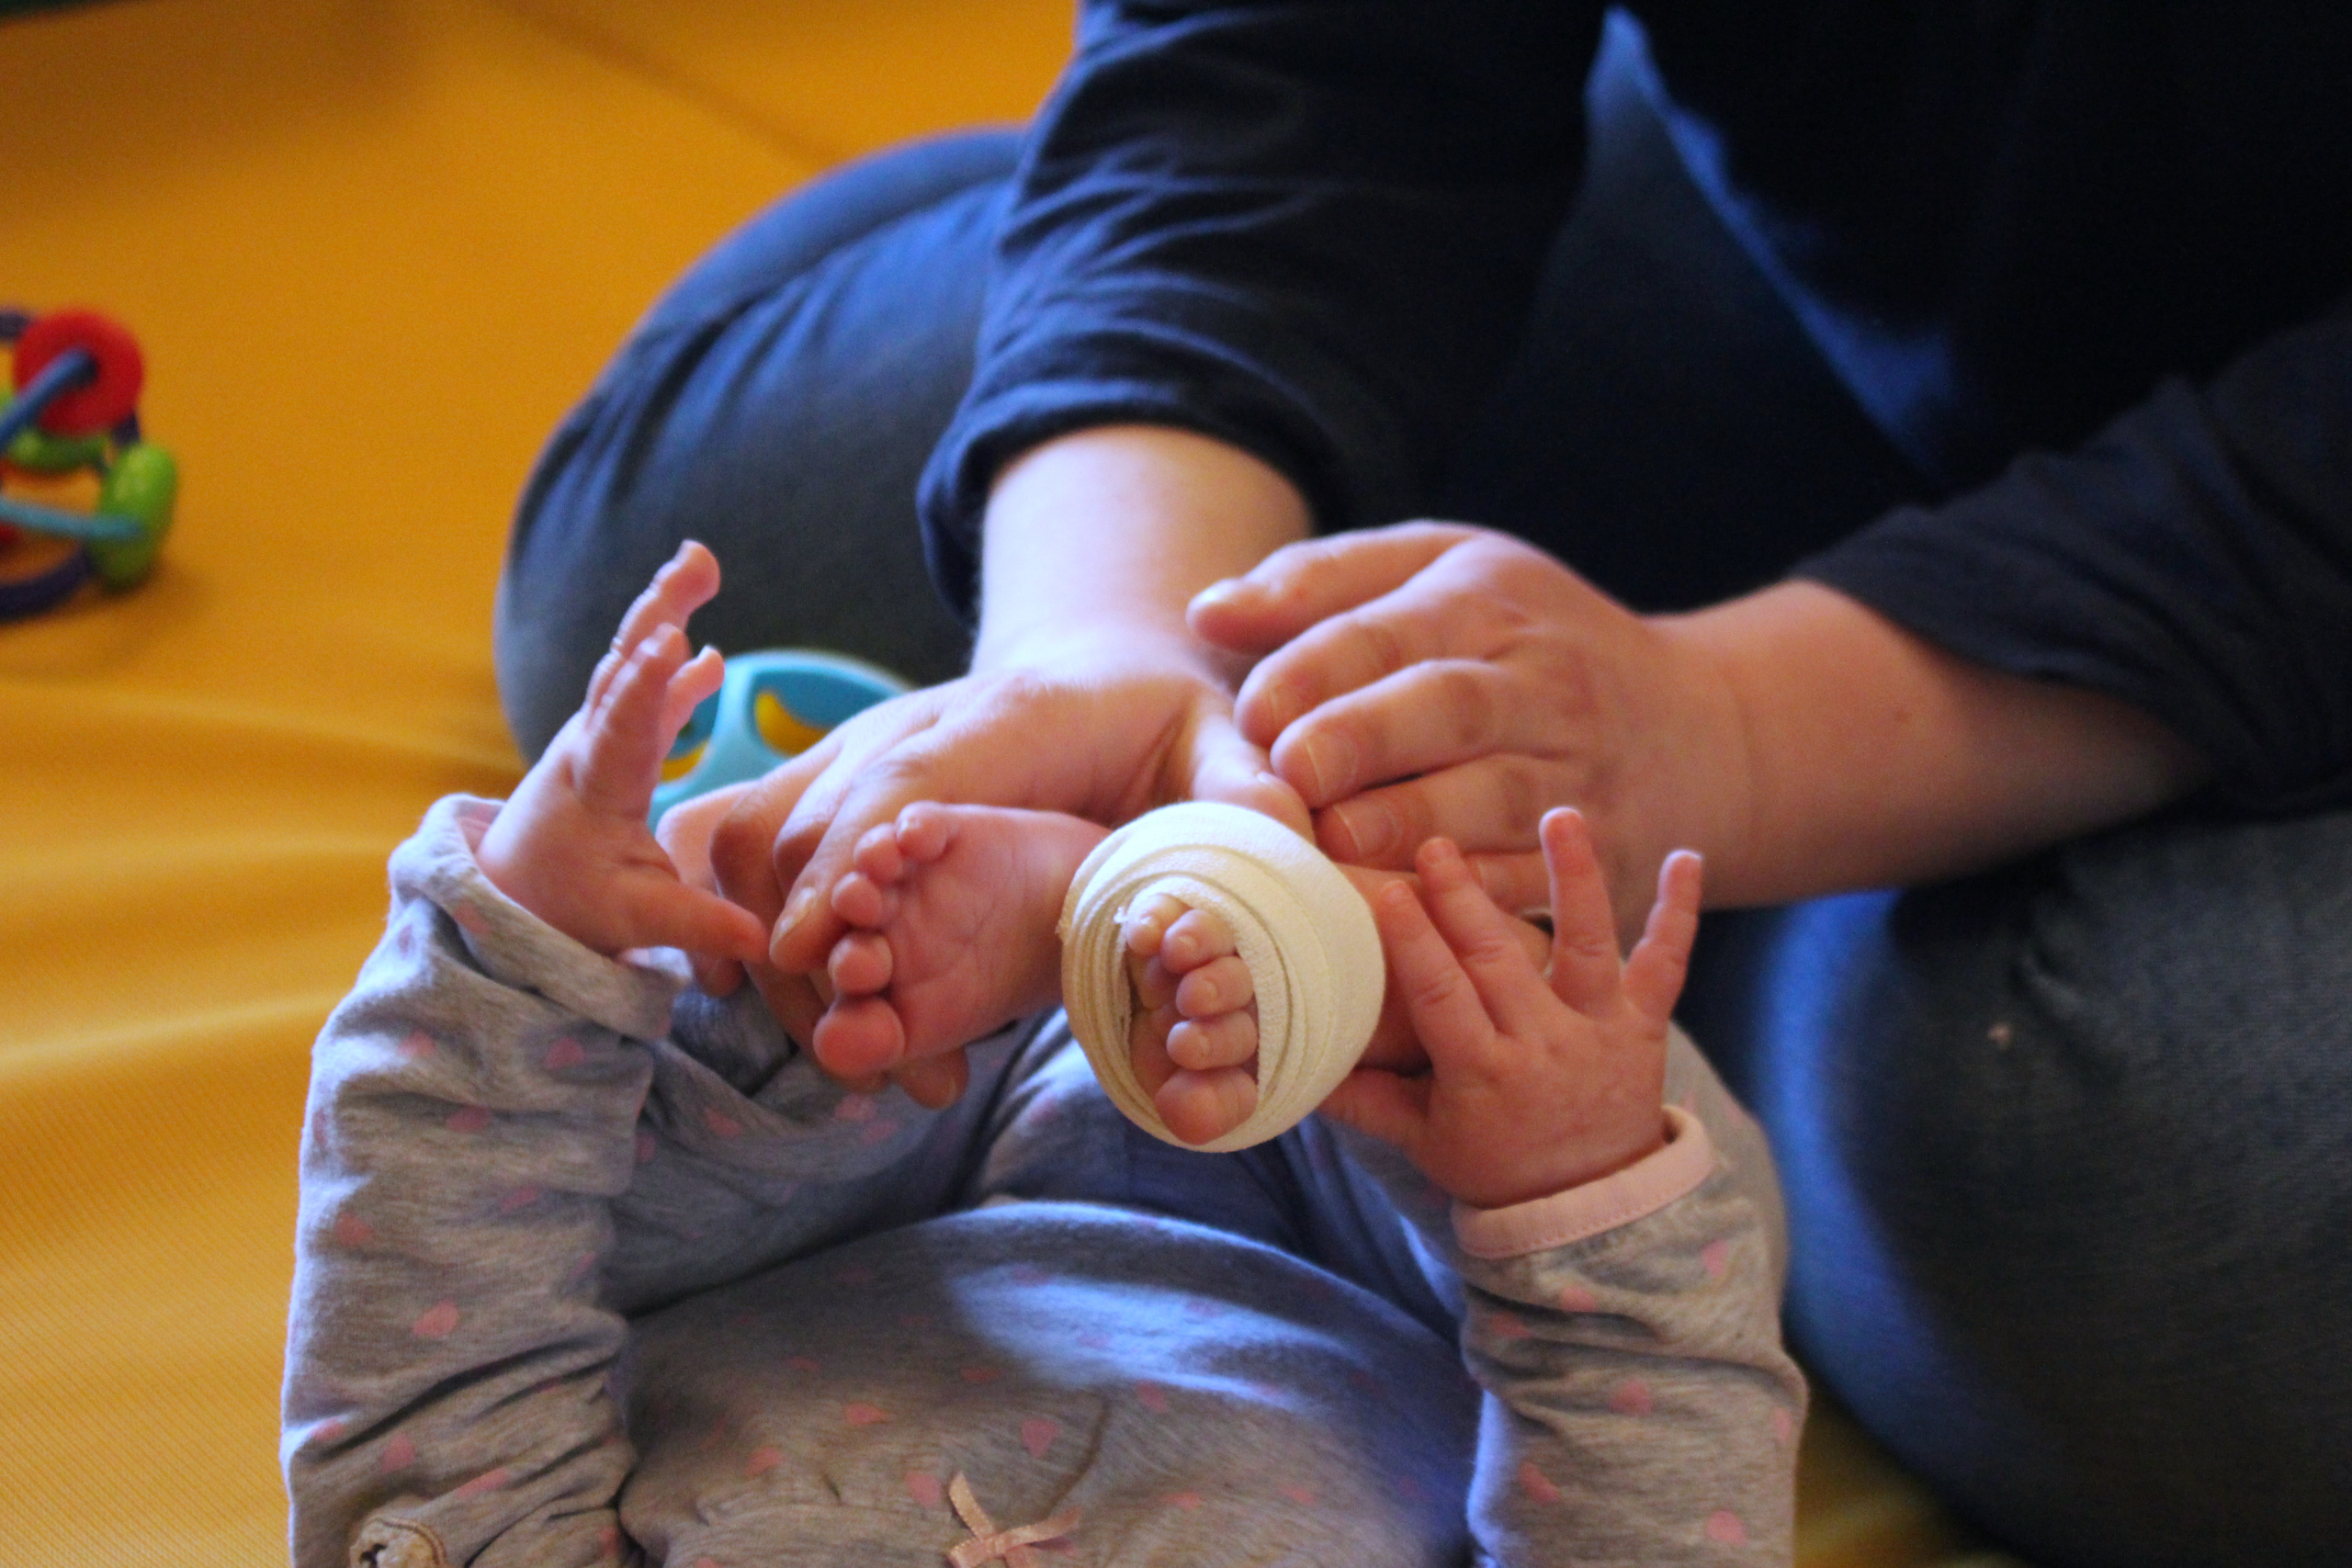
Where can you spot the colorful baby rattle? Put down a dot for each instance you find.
(76, 376)
(772, 706)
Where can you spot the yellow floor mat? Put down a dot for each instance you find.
(373, 249)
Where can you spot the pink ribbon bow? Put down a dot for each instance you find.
(991, 1545)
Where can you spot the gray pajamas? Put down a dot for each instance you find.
(595, 1267)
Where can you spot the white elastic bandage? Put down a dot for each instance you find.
(1302, 929)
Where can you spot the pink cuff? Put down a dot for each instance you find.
(1641, 1189)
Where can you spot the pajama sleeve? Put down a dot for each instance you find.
(507, 1152)
(1639, 1406)
(472, 1113)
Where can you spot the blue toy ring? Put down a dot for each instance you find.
(773, 705)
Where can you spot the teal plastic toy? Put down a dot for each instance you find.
(773, 706)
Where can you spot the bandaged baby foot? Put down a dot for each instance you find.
(952, 911)
(1300, 929)
(1194, 1041)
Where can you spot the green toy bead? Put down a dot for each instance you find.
(142, 484)
(36, 451)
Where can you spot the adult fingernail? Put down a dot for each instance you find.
(1371, 830)
(1331, 762)
(795, 911)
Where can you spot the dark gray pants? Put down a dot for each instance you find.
(2068, 1149)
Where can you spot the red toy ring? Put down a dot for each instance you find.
(107, 397)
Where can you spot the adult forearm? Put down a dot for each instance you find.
(1872, 758)
(1106, 534)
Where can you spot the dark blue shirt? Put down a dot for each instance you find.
(2076, 259)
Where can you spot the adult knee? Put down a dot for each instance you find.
(778, 404)
(2068, 1153)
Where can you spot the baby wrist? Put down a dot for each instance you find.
(1675, 1168)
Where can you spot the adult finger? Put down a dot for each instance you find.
(1220, 763)
(1489, 806)
(684, 833)
(1313, 580)
(935, 1082)
(1422, 619)
(1585, 966)
(1518, 883)
(1385, 1105)
(793, 999)
(1393, 1046)
(1434, 713)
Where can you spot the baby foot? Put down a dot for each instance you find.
(952, 910)
(1195, 1038)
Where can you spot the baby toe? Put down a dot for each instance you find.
(1154, 987)
(1147, 1047)
(1198, 1107)
(1230, 1040)
(860, 963)
(924, 831)
(1222, 985)
(1145, 926)
(877, 854)
(1196, 938)
(861, 901)
(858, 1037)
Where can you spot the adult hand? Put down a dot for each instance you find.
(1436, 680)
(1088, 694)
(1105, 734)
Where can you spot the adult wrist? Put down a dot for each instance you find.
(1099, 539)
(1875, 758)
(1092, 644)
(1698, 789)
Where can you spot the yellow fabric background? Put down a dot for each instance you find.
(373, 249)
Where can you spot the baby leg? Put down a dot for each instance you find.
(952, 911)
(1195, 1038)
